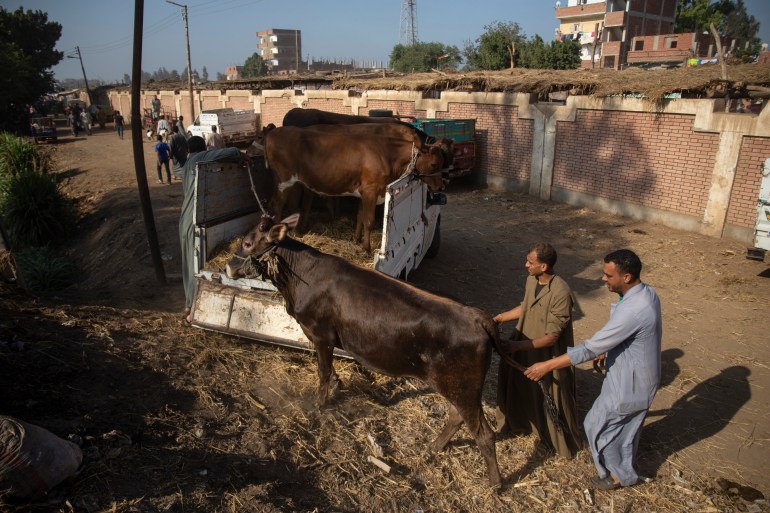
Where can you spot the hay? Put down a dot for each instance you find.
(334, 239)
(696, 82)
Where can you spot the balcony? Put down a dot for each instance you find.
(615, 19)
(566, 14)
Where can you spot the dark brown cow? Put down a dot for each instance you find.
(346, 161)
(386, 324)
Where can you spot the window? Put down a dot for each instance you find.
(639, 45)
(609, 61)
(671, 42)
(576, 27)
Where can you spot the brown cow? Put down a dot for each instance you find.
(346, 161)
(305, 118)
(386, 324)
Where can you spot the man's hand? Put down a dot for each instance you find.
(599, 363)
(498, 318)
(536, 371)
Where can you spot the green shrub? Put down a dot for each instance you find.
(34, 211)
(43, 271)
(20, 154)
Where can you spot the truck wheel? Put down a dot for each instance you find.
(435, 244)
(380, 113)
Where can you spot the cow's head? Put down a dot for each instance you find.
(447, 151)
(428, 167)
(263, 238)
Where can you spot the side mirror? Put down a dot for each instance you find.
(436, 198)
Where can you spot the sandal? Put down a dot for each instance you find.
(604, 483)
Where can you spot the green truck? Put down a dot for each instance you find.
(462, 132)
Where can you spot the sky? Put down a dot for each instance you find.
(223, 32)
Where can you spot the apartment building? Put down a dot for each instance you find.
(281, 50)
(233, 72)
(609, 29)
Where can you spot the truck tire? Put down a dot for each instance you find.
(380, 113)
(435, 244)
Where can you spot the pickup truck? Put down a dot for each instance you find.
(226, 207)
(236, 126)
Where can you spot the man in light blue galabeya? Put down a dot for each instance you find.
(629, 345)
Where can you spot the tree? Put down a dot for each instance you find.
(220, 76)
(563, 55)
(254, 66)
(421, 57)
(126, 78)
(533, 54)
(27, 54)
(205, 74)
(496, 48)
(730, 19)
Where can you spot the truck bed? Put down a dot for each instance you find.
(226, 207)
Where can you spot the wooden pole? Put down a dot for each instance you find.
(138, 142)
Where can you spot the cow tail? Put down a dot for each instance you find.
(491, 327)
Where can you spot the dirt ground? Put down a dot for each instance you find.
(173, 418)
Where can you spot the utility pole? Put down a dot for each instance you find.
(189, 66)
(136, 142)
(88, 91)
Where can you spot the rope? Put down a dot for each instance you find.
(410, 167)
(254, 189)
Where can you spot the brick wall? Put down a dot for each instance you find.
(743, 201)
(274, 109)
(239, 103)
(646, 159)
(402, 108)
(503, 141)
(335, 105)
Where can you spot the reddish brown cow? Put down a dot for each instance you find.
(346, 161)
(386, 324)
(307, 118)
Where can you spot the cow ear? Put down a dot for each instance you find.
(276, 233)
(291, 221)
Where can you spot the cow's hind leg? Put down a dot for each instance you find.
(453, 423)
(478, 426)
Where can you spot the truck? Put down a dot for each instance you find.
(235, 126)
(762, 223)
(461, 131)
(43, 129)
(228, 202)
(463, 134)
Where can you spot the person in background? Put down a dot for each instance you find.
(543, 331)
(180, 126)
(179, 149)
(85, 122)
(155, 108)
(214, 140)
(198, 153)
(164, 152)
(629, 347)
(164, 128)
(119, 123)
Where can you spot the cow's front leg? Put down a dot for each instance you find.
(328, 381)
